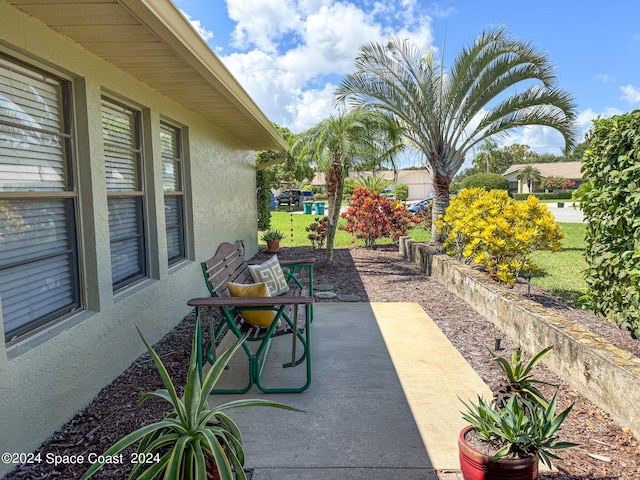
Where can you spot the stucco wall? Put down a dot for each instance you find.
(50, 375)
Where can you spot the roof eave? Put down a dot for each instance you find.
(176, 31)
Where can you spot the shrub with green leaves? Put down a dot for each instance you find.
(488, 181)
(611, 206)
(497, 232)
(401, 191)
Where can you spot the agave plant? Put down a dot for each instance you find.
(522, 427)
(519, 376)
(193, 438)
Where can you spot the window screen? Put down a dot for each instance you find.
(123, 155)
(39, 275)
(172, 172)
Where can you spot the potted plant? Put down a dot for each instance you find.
(193, 441)
(508, 436)
(272, 238)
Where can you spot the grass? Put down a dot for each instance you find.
(293, 226)
(561, 273)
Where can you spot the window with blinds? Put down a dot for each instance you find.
(39, 271)
(125, 195)
(172, 172)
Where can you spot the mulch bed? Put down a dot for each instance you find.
(607, 450)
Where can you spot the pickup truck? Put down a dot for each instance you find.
(296, 195)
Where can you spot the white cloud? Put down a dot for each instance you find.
(261, 22)
(604, 78)
(328, 47)
(297, 43)
(539, 138)
(203, 32)
(630, 93)
(311, 107)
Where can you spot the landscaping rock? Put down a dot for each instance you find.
(325, 295)
(323, 287)
(348, 298)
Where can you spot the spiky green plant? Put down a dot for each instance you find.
(193, 437)
(522, 426)
(519, 374)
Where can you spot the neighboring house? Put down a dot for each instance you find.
(126, 157)
(420, 182)
(567, 170)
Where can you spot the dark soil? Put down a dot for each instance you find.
(607, 450)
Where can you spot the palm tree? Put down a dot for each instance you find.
(350, 141)
(373, 183)
(488, 151)
(445, 113)
(529, 174)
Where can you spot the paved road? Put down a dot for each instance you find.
(566, 214)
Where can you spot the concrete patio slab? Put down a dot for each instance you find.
(382, 403)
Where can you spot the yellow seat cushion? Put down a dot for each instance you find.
(260, 318)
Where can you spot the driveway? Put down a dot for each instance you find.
(567, 213)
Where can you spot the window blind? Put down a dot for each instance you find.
(120, 127)
(39, 273)
(170, 137)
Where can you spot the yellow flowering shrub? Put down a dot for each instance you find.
(497, 232)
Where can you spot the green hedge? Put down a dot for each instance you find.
(488, 181)
(612, 213)
(544, 196)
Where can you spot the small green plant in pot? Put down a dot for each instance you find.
(272, 238)
(508, 436)
(194, 441)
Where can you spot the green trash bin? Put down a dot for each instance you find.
(319, 208)
(307, 207)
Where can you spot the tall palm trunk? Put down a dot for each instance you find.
(335, 184)
(440, 202)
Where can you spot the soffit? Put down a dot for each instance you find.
(151, 40)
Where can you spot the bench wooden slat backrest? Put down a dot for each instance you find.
(227, 265)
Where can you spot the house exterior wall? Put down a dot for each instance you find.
(522, 187)
(50, 374)
(419, 182)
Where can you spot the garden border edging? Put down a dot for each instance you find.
(588, 362)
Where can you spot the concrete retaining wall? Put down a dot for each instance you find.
(603, 373)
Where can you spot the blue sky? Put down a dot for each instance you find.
(290, 54)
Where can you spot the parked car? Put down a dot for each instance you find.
(307, 196)
(388, 193)
(420, 205)
(295, 195)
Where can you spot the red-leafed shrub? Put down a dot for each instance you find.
(317, 232)
(371, 216)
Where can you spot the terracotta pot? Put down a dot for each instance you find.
(479, 466)
(273, 246)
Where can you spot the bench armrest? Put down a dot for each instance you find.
(300, 262)
(249, 301)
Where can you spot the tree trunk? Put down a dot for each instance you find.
(334, 198)
(440, 203)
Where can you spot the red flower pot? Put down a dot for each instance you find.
(479, 466)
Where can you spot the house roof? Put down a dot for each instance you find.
(407, 177)
(568, 170)
(154, 42)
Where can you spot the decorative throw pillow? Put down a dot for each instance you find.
(260, 318)
(270, 272)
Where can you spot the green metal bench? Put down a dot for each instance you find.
(293, 314)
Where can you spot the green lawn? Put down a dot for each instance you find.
(561, 273)
(293, 226)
